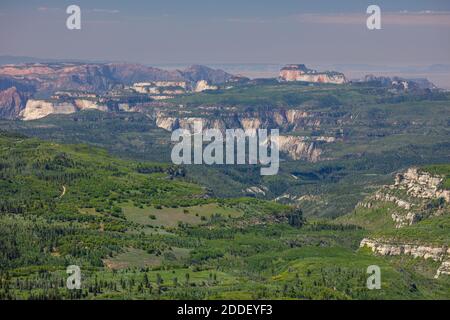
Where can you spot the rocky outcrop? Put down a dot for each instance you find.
(159, 90)
(36, 109)
(299, 72)
(417, 251)
(411, 194)
(12, 103)
(298, 148)
(386, 248)
(167, 123)
(83, 104)
(203, 85)
(285, 120)
(256, 190)
(250, 123)
(299, 199)
(420, 184)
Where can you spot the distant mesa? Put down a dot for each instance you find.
(299, 72)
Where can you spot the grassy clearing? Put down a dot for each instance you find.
(137, 258)
(133, 258)
(170, 217)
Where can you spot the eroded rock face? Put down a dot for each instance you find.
(250, 123)
(299, 72)
(299, 149)
(387, 248)
(83, 104)
(203, 85)
(256, 190)
(421, 184)
(294, 116)
(36, 109)
(411, 193)
(167, 123)
(417, 251)
(12, 103)
(286, 120)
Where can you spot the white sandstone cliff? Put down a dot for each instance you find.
(36, 109)
(386, 248)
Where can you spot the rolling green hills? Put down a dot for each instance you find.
(376, 131)
(141, 230)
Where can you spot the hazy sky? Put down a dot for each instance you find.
(415, 32)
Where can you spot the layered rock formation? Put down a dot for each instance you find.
(417, 251)
(411, 194)
(296, 147)
(386, 248)
(37, 109)
(287, 120)
(299, 72)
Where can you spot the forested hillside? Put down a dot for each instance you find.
(139, 230)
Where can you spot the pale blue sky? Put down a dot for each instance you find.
(415, 32)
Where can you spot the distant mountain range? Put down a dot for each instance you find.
(99, 77)
(117, 72)
(24, 78)
(18, 82)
